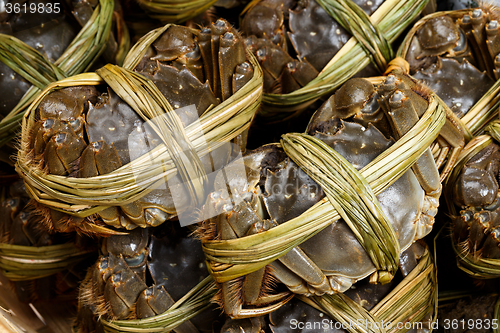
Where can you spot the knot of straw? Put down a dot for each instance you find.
(351, 196)
(237, 257)
(132, 88)
(384, 25)
(39, 71)
(83, 197)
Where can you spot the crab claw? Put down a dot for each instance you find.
(62, 152)
(98, 158)
(231, 54)
(122, 291)
(153, 301)
(242, 74)
(403, 108)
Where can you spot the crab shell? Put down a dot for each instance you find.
(366, 294)
(457, 55)
(48, 33)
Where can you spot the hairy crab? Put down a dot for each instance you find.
(278, 191)
(302, 317)
(85, 132)
(141, 275)
(477, 198)
(271, 26)
(457, 55)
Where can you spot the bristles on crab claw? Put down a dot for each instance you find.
(491, 8)
(207, 230)
(230, 297)
(423, 90)
(89, 296)
(269, 283)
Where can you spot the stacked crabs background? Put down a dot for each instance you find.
(249, 166)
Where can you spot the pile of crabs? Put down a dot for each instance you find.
(156, 170)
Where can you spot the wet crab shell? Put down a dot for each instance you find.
(49, 30)
(81, 132)
(308, 319)
(455, 54)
